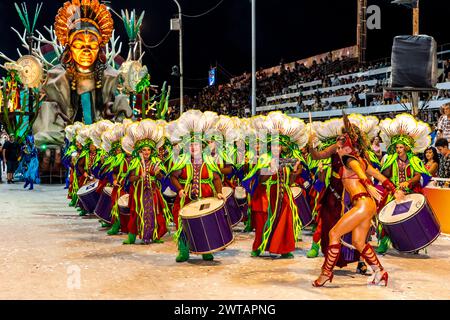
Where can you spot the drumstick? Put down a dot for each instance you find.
(143, 165)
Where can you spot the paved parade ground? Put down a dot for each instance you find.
(49, 252)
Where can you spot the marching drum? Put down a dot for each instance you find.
(241, 195)
(438, 199)
(169, 195)
(124, 212)
(304, 211)
(104, 205)
(206, 225)
(241, 198)
(232, 208)
(88, 196)
(410, 224)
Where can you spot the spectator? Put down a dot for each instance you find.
(444, 162)
(431, 160)
(10, 157)
(444, 123)
(377, 148)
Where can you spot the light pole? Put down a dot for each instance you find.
(253, 57)
(180, 29)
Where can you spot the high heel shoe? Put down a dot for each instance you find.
(382, 280)
(317, 284)
(331, 258)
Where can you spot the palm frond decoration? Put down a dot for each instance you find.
(22, 10)
(132, 25)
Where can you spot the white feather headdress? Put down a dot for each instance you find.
(111, 138)
(83, 135)
(406, 130)
(192, 123)
(97, 129)
(146, 133)
(72, 130)
(290, 130)
(367, 124)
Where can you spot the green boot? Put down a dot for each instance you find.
(105, 225)
(289, 255)
(158, 241)
(83, 213)
(114, 229)
(73, 202)
(183, 251)
(383, 246)
(208, 257)
(255, 253)
(314, 251)
(131, 239)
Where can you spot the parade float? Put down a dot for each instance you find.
(75, 72)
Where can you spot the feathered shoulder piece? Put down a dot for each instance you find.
(406, 130)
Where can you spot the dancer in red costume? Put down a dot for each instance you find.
(356, 173)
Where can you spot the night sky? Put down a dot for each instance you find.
(288, 29)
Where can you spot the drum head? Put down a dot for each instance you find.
(108, 190)
(296, 191)
(169, 193)
(395, 212)
(227, 192)
(123, 201)
(240, 193)
(201, 208)
(87, 188)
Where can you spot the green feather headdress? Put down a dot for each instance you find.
(406, 130)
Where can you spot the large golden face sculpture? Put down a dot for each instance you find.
(85, 47)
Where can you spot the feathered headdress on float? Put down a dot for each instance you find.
(83, 15)
(414, 135)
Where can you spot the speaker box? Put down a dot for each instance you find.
(414, 62)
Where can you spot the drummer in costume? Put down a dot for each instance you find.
(97, 129)
(326, 164)
(70, 159)
(404, 137)
(85, 161)
(220, 147)
(356, 177)
(116, 164)
(276, 220)
(194, 174)
(149, 212)
(166, 156)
